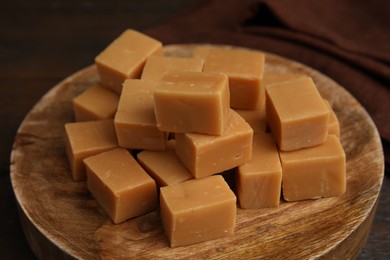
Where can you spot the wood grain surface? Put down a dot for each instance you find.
(61, 219)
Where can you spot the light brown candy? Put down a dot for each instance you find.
(245, 71)
(202, 51)
(135, 123)
(157, 66)
(85, 139)
(204, 155)
(125, 58)
(255, 118)
(164, 166)
(197, 210)
(95, 103)
(120, 185)
(296, 113)
(275, 77)
(334, 125)
(188, 101)
(259, 180)
(314, 172)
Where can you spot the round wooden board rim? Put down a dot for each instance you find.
(61, 219)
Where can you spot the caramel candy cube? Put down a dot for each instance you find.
(120, 185)
(245, 71)
(125, 58)
(202, 51)
(197, 210)
(275, 77)
(85, 139)
(192, 102)
(164, 166)
(334, 125)
(95, 103)
(157, 66)
(135, 123)
(255, 118)
(204, 155)
(259, 180)
(296, 113)
(314, 172)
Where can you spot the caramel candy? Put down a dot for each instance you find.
(95, 103)
(255, 118)
(204, 155)
(259, 180)
(85, 139)
(157, 66)
(120, 185)
(197, 210)
(192, 102)
(245, 71)
(334, 125)
(274, 77)
(296, 113)
(125, 58)
(314, 172)
(164, 166)
(201, 52)
(135, 123)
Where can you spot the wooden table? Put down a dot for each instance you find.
(42, 42)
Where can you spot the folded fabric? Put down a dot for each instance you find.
(349, 40)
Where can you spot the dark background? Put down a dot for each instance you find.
(43, 42)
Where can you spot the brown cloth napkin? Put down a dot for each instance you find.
(348, 40)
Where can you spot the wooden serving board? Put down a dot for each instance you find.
(62, 220)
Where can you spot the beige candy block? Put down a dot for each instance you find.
(125, 58)
(314, 172)
(202, 51)
(296, 113)
(84, 139)
(245, 71)
(164, 166)
(259, 180)
(192, 102)
(95, 103)
(204, 155)
(135, 122)
(120, 185)
(255, 118)
(334, 125)
(157, 66)
(197, 210)
(275, 77)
